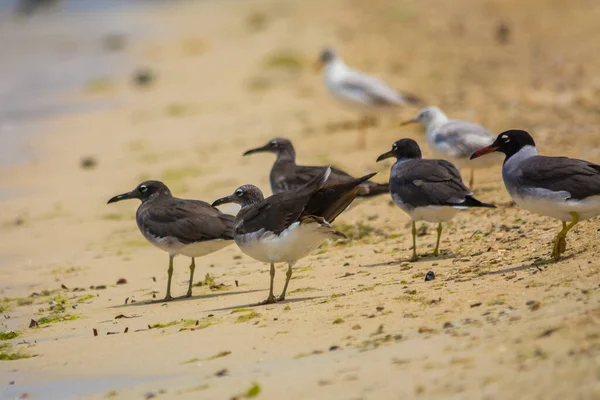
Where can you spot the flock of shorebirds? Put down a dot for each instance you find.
(296, 219)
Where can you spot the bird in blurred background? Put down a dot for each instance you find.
(191, 228)
(289, 225)
(366, 93)
(287, 175)
(564, 188)
(455, 140)
(427, 190)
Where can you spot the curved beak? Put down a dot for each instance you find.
(258, 150)
(410, 121)
(124, 196)
(486, 150)
(223, 200)
(318, 66)
(385, 155)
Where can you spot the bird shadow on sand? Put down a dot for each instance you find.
(282, 303)
(537, 264)
(182, 298)
(421, 259)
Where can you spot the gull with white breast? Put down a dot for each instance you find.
(427, 190)
(289, 225)
(564, 188)
(455, 140)
(190, 228)
(368, 94)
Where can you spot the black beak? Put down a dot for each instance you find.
(223, 200)
(385, 155)
(263, 149)
(124, 196)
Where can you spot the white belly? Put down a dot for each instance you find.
(560, 208)
(174, 247)
(428, 213)
(289, 246)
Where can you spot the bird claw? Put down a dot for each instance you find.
(269, 300)
(168, 298)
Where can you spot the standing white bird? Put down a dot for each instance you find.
(455, 140)
(364, 92)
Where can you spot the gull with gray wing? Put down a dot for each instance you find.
(364, 92)
(287, 175)
(427, 190)
(289, 225)
(191, 228)
(455, 140)
(560, 187)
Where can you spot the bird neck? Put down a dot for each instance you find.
(436, 121)
(516, 157)
(286, 155)
(335, 67)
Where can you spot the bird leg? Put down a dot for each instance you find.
(192, 268)
(170, 274)
(472, 179)
(437, 244)
(363, 125)
(414, 235)
(560, 244)
(288, 276)
(271, 299)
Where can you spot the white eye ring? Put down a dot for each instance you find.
(143, 188)
(273, 143)
(239, 192)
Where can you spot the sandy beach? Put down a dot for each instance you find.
(498, 322)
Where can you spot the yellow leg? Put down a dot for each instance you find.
(170, 276)
(414, 236)
(271, 299)
(288, 276)
(560, 244)
(192, 269)
(437, 244)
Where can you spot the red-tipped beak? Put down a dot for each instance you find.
(484, 151)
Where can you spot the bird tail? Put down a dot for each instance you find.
(370, 189)
(471, 201)
(329, 201)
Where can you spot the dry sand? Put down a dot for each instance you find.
(498, 322)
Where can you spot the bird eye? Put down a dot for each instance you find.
(394, 146)
(274, 143)
(239, 192)
(143, 188)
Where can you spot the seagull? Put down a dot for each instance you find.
(427, 190)
(454, 140)
(190, 228)
(564, 188)
(359, 90)
(287, 175)
(288, 225)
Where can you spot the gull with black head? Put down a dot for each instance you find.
(364, 92)
(287, 175)
(564, 188)
(190, 228)
(289, 225)
(427, 190)
(455, 140)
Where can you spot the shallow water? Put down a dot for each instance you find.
(51, 52)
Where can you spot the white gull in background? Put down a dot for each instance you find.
(366, 93)
(455, 140)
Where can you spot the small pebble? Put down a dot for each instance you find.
(448, 325)
(430, 276)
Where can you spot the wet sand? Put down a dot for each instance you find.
(360, 321)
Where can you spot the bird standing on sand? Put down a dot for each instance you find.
(191, 228)
(288, 225)
(287, 175)
(454, 140)
(564, 188)
(367, 93)
(427, 190)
